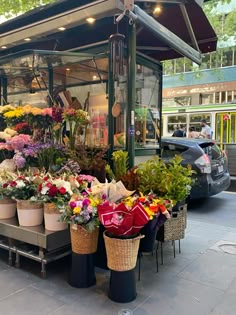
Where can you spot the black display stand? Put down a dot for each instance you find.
(82, 274)
(122, 286)
(101, 255)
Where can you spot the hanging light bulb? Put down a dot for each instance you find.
(117, 48)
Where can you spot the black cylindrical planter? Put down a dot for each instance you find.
(82, 273)
(101, 255)
(122, 286)
(150, 231)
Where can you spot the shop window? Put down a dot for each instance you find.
(183, 100)
(206, 99)
(217, 98)
(227, 58)
(229, 96)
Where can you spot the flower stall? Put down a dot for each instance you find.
(78, 128)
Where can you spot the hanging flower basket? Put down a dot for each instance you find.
(83, 241)
(7, 208)
(29, 213)
(121, 253)
(51, 218)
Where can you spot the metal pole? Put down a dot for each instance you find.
(4, 91)
(131, 87)
(50, 86)
(111, 100)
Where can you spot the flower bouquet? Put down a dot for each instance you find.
(55, 192)
(81, 214)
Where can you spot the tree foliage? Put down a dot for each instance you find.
(9, 8)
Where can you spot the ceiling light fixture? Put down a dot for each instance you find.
(157, 10)
(62, 28)
(94, 77)
(4, 47)
(27, 39)
(90, 20)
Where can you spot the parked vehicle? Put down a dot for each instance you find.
(206, 158)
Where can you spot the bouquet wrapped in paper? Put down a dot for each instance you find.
(122, 220)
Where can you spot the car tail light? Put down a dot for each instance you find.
(204, 164)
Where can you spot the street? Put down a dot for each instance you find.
(201, 279)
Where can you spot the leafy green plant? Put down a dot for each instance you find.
(120, 165)
(168, 180)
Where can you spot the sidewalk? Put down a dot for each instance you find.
(201, 280)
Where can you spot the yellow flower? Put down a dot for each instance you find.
(14, 113)
(27, 109)
(36, 111)
(76, 210)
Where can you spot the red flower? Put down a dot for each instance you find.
(62, 191)
(13, 184)
(49, 185)
(5, 185)
(45, 178)
(40, 187)
(53, 190)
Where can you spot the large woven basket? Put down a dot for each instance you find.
(82, 241)
(174, 228)
(121, 253)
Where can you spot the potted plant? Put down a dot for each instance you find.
(55, 192)
(81, 214)
(23, 187)
(7, 204)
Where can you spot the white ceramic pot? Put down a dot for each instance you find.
(7, 208)
(51, 218)
(29, 213)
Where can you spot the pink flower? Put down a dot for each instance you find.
(47, 111)
(18, 142)
(72, 204)
(86, 202)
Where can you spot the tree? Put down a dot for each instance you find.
(10, 8)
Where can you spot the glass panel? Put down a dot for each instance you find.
(175, 121)
(195, 119)
(227, 59)
(229, 96)
(207, 98)
(147, 120)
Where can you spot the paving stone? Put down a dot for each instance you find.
(29, 301)
(213, 268)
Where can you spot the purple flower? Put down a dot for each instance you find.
(19, 160)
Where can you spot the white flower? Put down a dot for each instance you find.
(20, 184)
(44, 190)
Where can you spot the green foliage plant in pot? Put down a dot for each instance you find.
(170, 180)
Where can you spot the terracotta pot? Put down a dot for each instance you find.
(51, 218)
(7, 208)
(29, 213)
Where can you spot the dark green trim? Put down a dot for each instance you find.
(50, 86)
(111, 99)
(4, 91)
(131, 86)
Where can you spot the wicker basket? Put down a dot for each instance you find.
(82, 241)
(121, 253)
(174, 228)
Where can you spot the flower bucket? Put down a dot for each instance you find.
(121, 253)
(29, 213)
(82, 241)
(51, 218)
(7, 208)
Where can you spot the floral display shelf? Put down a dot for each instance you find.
(47, 246)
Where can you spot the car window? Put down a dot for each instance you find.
(170, 150)
(213, 151)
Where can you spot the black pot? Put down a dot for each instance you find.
(150, 231)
